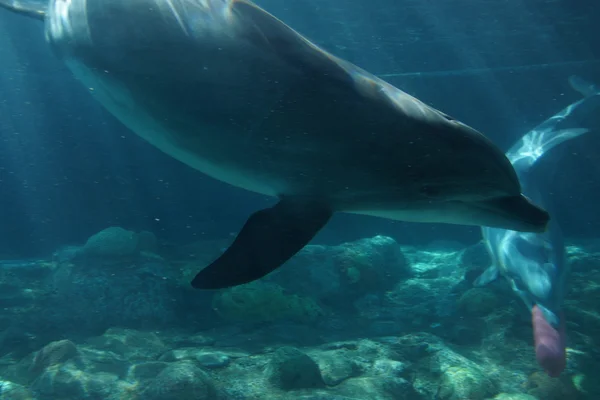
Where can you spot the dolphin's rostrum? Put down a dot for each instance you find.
(230, 90)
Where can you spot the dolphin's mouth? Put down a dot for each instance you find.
(516, 213)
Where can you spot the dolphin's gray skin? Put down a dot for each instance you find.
(233, 92)
(534, 263)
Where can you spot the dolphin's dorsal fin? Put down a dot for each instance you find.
(29, 8)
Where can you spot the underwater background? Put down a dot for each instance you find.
(100, 232)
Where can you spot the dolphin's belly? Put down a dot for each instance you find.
(251, 147)
(262, 153)
(119, 102)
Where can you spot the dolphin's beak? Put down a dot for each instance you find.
(516, 213)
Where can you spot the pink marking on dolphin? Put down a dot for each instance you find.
(550, 346)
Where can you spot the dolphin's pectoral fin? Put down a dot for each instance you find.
(489, 275)
(268, 239)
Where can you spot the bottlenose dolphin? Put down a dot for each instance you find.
(230, 90)
(534, 263)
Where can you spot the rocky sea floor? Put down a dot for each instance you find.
(116, 319)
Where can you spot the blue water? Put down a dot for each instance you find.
(373, 313)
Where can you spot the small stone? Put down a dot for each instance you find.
(290, 368)
(336, 367)
(340, 345)
(478, 301)
(180, 381)
(389, 367)
(112, 242)
(460, 383)
(514, 396)
(543, 387)
(12, 391)
(146, 370)
(213, 360)
(53, 353)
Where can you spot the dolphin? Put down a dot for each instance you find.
(230, 90)
(534, 264)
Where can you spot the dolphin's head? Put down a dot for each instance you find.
(475, 183)
(464, 177)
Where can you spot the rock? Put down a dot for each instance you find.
(336, 276)
(543, 387)
(441, 372)
(340, 345)
(13, 295)
(475, 259)
(324, 396)
(206, 359)
(583, 257)
(187, 340)
(13, 391)
(95, 296)
(147, 242)
(336, 366)
(181, 380)
(370, 265)
(389, 368)
(213, 360)
(67, 254)
(262, 301)
(290, 369)
(69, 382)
(380, 388)
(460, 383)
(52, 354)
(431, 263)
(424, 301)
(513, 396)
(113, 242)
(146, 370)
(478, 302)
(399, 389)
(415, 347)
(129, 343)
